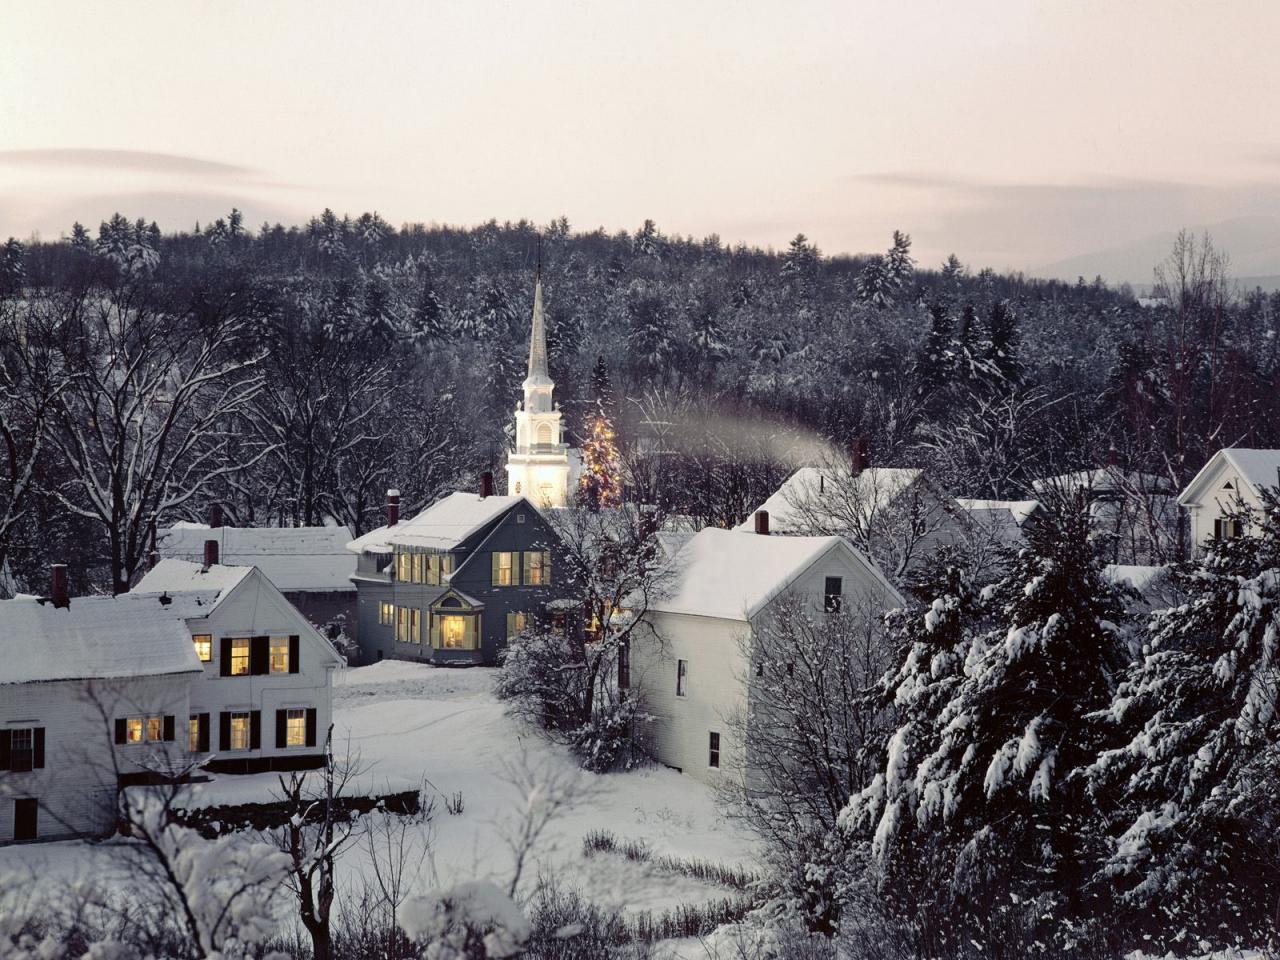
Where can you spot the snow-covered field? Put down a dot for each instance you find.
(410, 725)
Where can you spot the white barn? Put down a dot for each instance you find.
(1233, 478)
(92, 689)
(263, 697)
(690, 668)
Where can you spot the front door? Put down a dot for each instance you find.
(24, 819)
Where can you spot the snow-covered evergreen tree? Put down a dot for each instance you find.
(989, 761)
(601, 483)
(1194, 784)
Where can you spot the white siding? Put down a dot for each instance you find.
(255, 608)
(1217, 502)
(719, 674)
(76, 787)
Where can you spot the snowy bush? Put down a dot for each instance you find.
(468, 921)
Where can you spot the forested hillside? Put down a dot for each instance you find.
(292, 374)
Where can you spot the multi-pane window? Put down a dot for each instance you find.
(240, 656)
(505, 573)
(386, 613)
(240, 724)
(1227, 528)
(682, 677)
(193, 734)
(419, 568)
(833, 594)
(713, 751)
(439, 567)
(204, 646)
(624, 665)
(295, 728)
(402, 624)
(403, 571)
(279, 654)
(415, 625)
(141, 729)
(456, 632)
(22, 746)
(516, 622)
(537, 567)
(155, 728)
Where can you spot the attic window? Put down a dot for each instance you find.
(1228, 485)
(519, 518)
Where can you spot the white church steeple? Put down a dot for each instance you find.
(538, 466)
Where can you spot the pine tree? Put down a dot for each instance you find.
(999, 785)
(13, 273)
(1193, 781)
(936, 358)
(898, 263)
(873, 285)
(651, 339)
(430, 322)
(1002, 342)
(800, 264)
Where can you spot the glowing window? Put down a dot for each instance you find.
(295, 728)
(204, 646)
(240, 731)
(279, 654)
(240, 657)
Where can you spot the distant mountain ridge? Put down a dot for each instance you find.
(1253, 244)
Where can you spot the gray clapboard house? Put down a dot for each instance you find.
(454, 583)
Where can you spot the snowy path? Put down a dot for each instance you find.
(411, 724)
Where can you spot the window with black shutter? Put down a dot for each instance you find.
(282, 729)
(21, 750)
(224, 731)
(168, 728)
(122, 730)
(294, 663)
(255, 730)
(202, 744)
(37, 748)
(4, 749)
(311, 726)
(224, 666)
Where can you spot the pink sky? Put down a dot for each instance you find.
(1013, 133)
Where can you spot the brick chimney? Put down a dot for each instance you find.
(486, 484)
(215, 516)
(58, 587)
(1112, 456)
(210, 553)
(858, 456)
(762, 522)
(393, 507)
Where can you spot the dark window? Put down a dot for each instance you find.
(713, 755)
(833, 594)
(25, 750)
(682, 677)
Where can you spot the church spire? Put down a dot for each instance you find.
(538, 337)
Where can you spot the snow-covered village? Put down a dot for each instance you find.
(726, 481)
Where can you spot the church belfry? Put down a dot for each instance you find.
(538, 465)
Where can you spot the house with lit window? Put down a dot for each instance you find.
(94, 693)
(263, 697)
(692, 664)
(454, 583)
(1230, 483)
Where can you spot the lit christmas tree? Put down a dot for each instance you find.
(601, 483)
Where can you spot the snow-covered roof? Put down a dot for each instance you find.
(1258, 468)
(1137, 576)
(442, 526)
(872, 489)
(733, 575)
(1018, 511)
(94, 638)
(1102, 480)
(297, 559)
(194, 586)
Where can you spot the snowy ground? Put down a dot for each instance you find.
(411, 724)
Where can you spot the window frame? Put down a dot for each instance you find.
(236, 657)
(535, 568)
(682, 678)
(15, 752)
(386, 613)
(273, 643)
(247, 716)
(512, 568)
(289, 719)
(203, 643)
(833, 601)
(713, 750)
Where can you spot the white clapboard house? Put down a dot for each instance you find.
(201, 661)
(91, 690)
(1231, 481)
(263, 699)
(690, 665)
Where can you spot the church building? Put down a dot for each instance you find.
(540, 466)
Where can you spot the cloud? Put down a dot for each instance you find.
(131, 160)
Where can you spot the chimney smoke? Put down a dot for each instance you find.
(393, 507)
(58, 586)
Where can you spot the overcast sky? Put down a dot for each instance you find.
(1013, 133)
